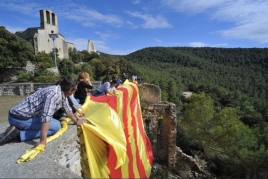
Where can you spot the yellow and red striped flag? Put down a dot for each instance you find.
(114, 137)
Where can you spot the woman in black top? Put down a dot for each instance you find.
(83, 86)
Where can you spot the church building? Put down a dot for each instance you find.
(41, 38)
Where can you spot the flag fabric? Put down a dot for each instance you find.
(114, 137)
(33, 152)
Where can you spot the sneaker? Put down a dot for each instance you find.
(9, 135)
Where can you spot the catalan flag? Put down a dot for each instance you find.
(115, 142)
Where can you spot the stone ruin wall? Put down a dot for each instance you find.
(163, 126)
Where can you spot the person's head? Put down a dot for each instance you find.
(114, 77)
(113, 82)
(60, 80)
(68, 84)
(83, 75)
(108, 78)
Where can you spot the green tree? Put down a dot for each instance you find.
(222, 133)
(99, 68)
(66, 67)
(44, 60)
(15, 52)
(75, 56)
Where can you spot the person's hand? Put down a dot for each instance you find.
(81, 120)
(41, 143)
(80, 112)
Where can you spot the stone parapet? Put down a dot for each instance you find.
(24, 89)
(61, 158)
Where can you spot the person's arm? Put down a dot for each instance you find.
(108, 89)
(48, 111)
(85, 85)
(44, 130)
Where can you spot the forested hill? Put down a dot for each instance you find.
(243, 69)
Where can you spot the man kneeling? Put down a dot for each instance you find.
(32, 117)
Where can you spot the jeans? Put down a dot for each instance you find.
(31, 129)
(97, 93)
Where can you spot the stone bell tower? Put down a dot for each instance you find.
(49, 21)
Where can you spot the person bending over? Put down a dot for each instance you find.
(32, 117)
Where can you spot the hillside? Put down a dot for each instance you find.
(242, 70)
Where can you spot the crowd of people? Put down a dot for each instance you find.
(38, 115)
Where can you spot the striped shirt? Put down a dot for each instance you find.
(43, 103)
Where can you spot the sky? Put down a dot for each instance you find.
(120, 27)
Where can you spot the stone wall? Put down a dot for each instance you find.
(150, 93)
(66, 150)
(163, 126)
(24, 89)
(61, 158)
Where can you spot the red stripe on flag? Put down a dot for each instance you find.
(125, 121)
(110, 100)
(136, 123)
(145, 139)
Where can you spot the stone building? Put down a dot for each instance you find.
(90, 47)
(39, 37)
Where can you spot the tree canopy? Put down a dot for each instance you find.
(15, 52)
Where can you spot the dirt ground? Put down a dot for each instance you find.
(7, 102)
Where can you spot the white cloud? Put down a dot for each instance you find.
(192, 6)
(136, 1)
(107, 36)
(247, 17)
(201, 44)
(157, 40)
(22, 6)
(131, 24)
(151, 22)
(250, 20)
(197, 44)
(89, 17)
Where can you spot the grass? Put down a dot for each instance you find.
(6, 103)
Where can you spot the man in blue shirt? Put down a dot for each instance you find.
(32, 117)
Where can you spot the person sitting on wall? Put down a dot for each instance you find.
(83, 86)
(32, 117)
(106, 88)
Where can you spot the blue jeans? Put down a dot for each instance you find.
(97, 93)
(31, 129)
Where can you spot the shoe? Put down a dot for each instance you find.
(9, 135)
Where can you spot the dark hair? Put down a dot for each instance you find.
(68, 83)
(114, 81)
